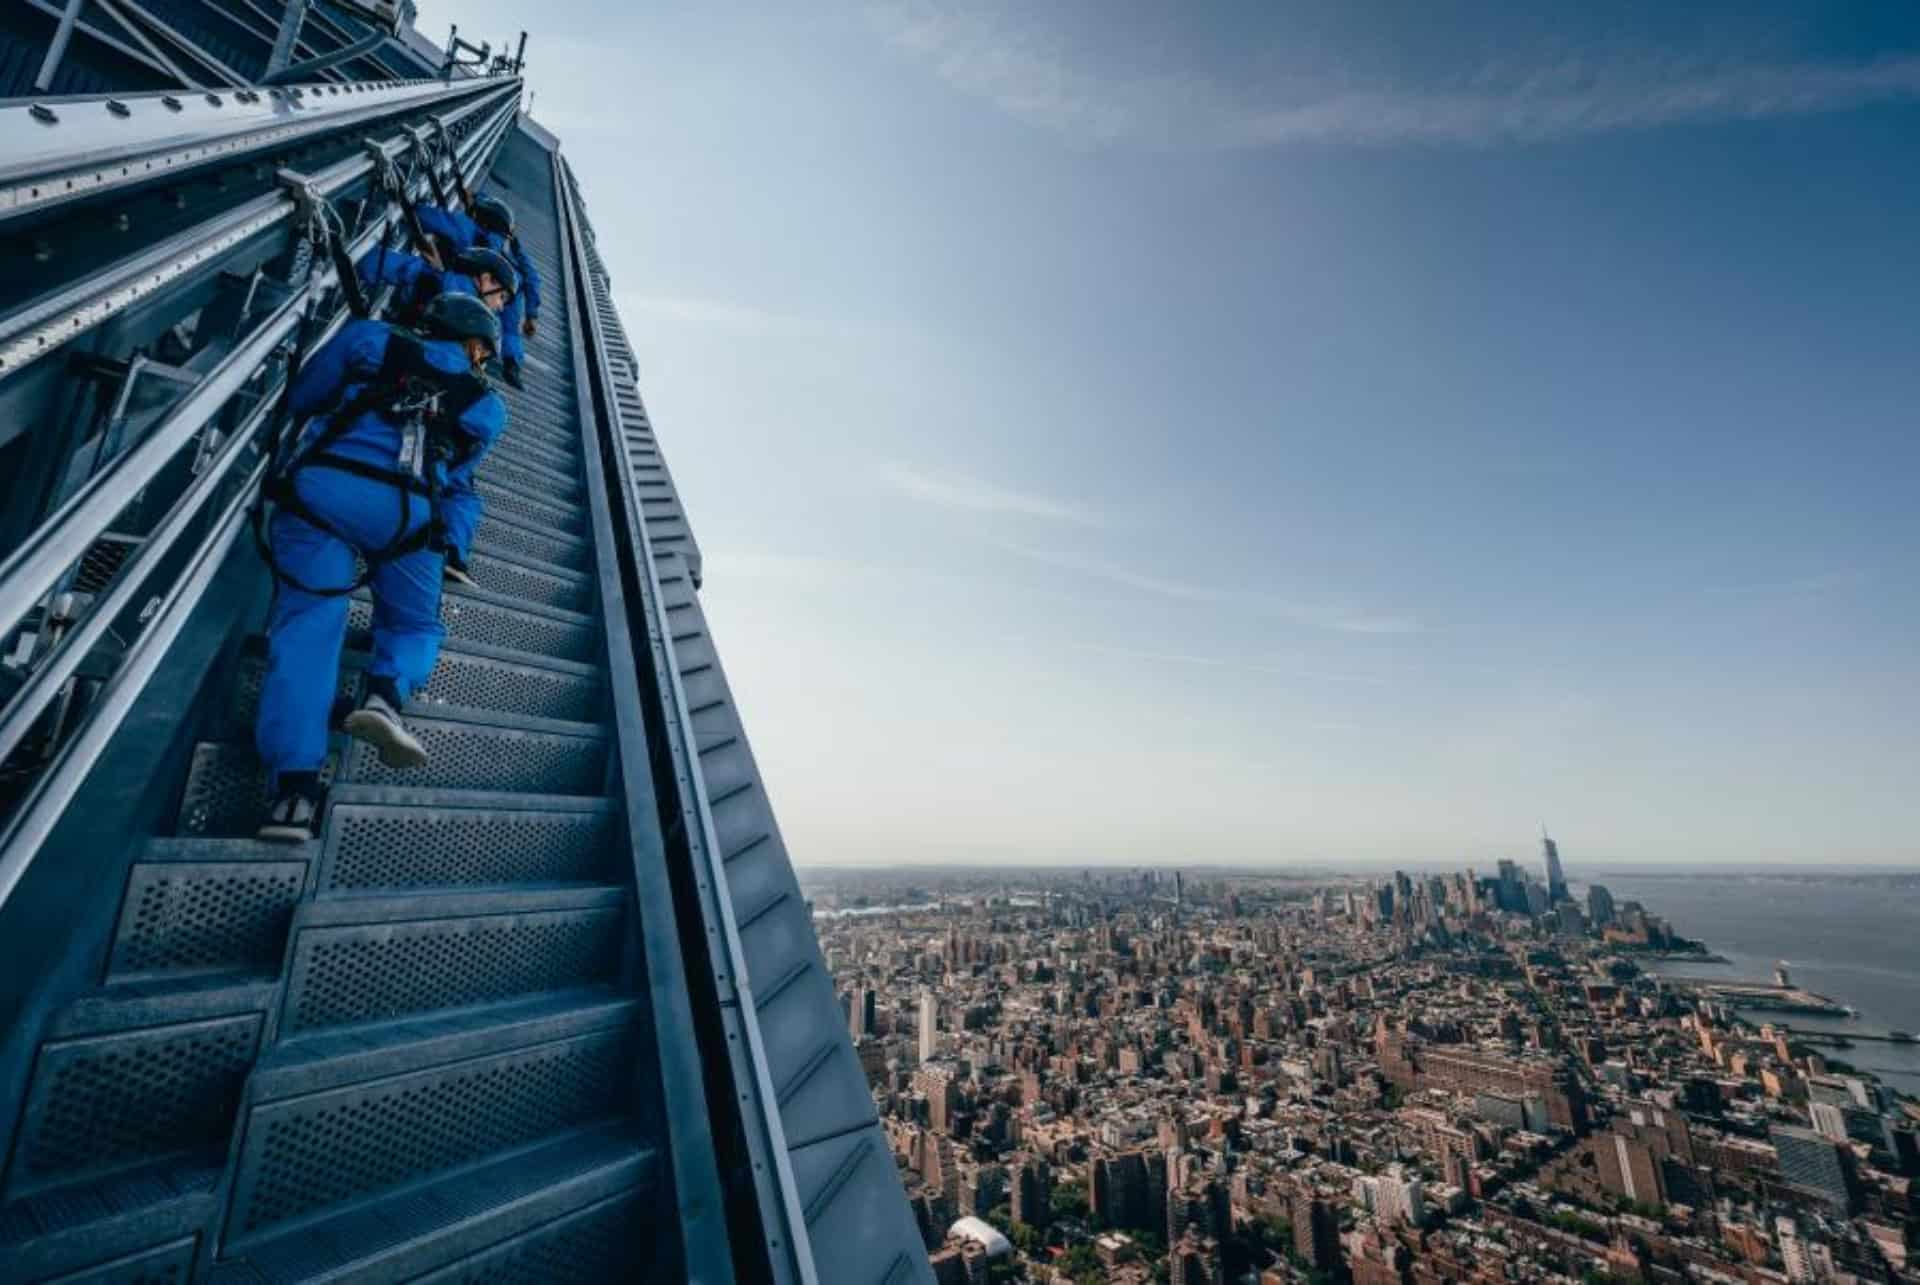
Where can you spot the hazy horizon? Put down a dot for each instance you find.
(1240, 432)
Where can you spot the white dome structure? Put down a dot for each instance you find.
(982, 1233)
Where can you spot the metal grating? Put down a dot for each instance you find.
(539, 485)
(165, 1265)
(377, 846)
(480, 682)
(372, 971)
(311, 1152)
(227, 789)
(475, 756)
(109, 1101)
(596, 1244)
(522, 449)
(523, 508)
(562, 549)
(180, 916)
(471, 619)
(517, 581)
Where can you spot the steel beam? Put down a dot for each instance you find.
(283, 41)
(180, 42)
(58, 49)
(97, 145)
(321, 62)
(101, 37)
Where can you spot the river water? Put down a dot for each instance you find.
(1855, 943)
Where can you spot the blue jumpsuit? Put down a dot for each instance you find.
(462, 231)
(305, 630)
(461, 507)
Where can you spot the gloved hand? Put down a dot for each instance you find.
(528, 326)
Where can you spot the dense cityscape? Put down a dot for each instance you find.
(1140, 1076)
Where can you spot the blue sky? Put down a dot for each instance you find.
(1263, 432)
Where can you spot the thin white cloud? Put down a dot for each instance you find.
(956, 491)
(1019, 68)
(1334, 618)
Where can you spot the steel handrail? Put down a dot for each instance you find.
(96, 144)
(788, 1240)
(56, 544)
(46, 324)
(34, 819)
(42, 809)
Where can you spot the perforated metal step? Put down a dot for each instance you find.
(322, 1150)
(537, 452)
(531, 580)
(207, 906)
(469, 674)
(502, 469)
(517, 541)
(405, 837)
(133, 1079)
(227, 784)
(522, 507)
(534, 755)
(366, 959)
(138, 1227)
(569, 1209)
(479, 615)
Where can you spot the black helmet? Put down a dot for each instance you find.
(477, 260)
(493, 214)
(461, 316)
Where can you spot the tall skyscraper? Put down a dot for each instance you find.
(1030, 1190)
(863, 1009)
(929, 1025)
(1316, 1232)
(1599, 905)
(1816, 1164)
(1556, 877)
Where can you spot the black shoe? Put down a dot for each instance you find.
(377, 722)
(510, 371)
(454, 571)
(294, 816)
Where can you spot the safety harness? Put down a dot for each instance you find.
(425, 404)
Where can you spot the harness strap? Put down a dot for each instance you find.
(371, 472)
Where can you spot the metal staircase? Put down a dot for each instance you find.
(547, 1009)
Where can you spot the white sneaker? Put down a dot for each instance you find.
(378, 724)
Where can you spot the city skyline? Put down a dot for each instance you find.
(1410, 1080)
(1294, 430)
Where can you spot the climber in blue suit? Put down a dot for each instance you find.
(490, 224)
(387, 414)
(491, 278)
